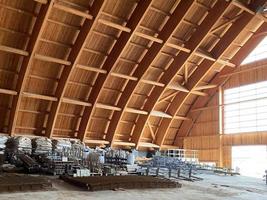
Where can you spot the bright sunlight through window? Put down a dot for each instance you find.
(260, 52)
(245, 108)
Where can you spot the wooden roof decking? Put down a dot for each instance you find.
(114, 71)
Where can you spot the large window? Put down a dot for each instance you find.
(245, 108)
(260, 52)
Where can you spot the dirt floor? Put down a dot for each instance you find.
(212, 187)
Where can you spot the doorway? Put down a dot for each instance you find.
(250, 160)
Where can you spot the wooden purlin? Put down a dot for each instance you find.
(221, 47)
(166, 33)
(74, 57)
(37, 32)
(194, 42)
(237, 59)
(111, 62)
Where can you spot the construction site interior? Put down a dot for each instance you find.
(133, 99)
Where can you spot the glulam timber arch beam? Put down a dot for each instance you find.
(110, 63)
(221, 47)
(38, 30)
(201, 33)
(75, 54)
(219, 79)
(165, 35)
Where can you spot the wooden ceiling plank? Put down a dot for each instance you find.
(156, 113)
(124, 76)
(51, 59)
(14, 50)
(107, 107)
(136, 111)
(70, 26)
(202, 103)
(73, 11)
(7, 91)
(148, 37)
(38, 29)
(41, 1)
(200, 34)
(74, 57)
(114, 25)
(152, 83)
(204, 87)
(178, 47)
(166, 35)
(182, 118)
(148, 145)
(96, 141)
(114, 57)
(92, 69)
(222, 46)
(39, 96)
(23, 34)
(75, 102)
(121, 143)
(225, 62)
(195, 92)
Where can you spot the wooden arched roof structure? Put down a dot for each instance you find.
(117, 72)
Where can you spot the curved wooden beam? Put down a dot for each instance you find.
(245, 50)
(221, 47)
(37, 32)
(193, 44)
(166, 33)
(74, 57)
(116, 52)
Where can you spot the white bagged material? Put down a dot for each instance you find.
(42, 145)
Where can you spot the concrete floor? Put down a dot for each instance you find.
(212, 187)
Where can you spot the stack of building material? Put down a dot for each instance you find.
(116, 157)
(42, 145)
(93, 162)
(19, 143)
(61, 147)
(77, 149)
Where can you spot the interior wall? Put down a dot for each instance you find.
(204, 135)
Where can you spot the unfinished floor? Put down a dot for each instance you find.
(213, 187)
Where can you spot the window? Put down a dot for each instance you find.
(245, 108)
(260, 52)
